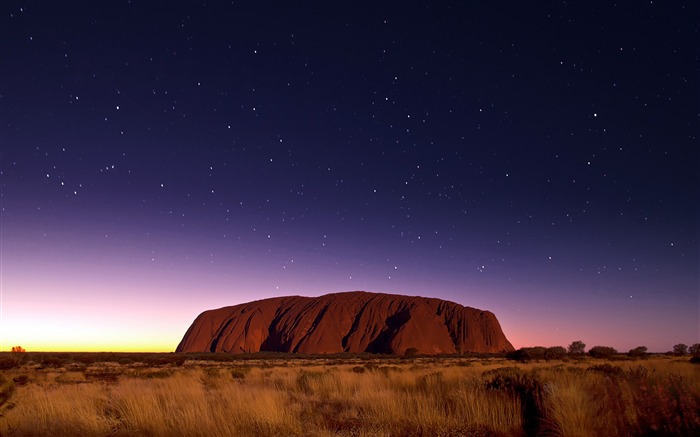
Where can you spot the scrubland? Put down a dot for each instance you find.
(352, 397)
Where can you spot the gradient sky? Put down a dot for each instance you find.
(539, 160)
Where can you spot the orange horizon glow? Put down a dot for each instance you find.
(132, 343)
(134, 312)
(87, 336)
(81, 345)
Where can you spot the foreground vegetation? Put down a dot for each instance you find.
(215, 395)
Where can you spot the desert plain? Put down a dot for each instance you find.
(264, 394)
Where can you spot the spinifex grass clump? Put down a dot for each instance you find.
(605, 400)
(7, 388)
(607, 370)
(665, 404)
(527, 387)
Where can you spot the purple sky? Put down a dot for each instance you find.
(540, 162)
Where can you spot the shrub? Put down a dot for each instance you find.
(577, 348)
(502, 377)
(86, 359)
(156, 360)
(602, 351)
(410, 352)
(8, 363)
(18, 355)
(694, 349)
(537, 352)
(149, 373)
(528, 353)
(554, 352)
(384, 370)
(212, 372)
(680, 349)
(103, 375)
(638, 352)
(238, 374)
(607, 369)
(522, 354)
(52, 361)
(20, 380)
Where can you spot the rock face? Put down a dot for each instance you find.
(354, 322)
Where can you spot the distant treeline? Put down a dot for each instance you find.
(578, 349)
(9, 360)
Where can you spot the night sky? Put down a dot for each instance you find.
(535, 159)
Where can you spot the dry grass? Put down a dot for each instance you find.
(430, 397)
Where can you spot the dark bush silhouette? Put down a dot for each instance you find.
(602, 352)
(20, 380)
(680, 349)
(537, 353)
(577, 348)
(554, 352)
(52, 361)
(694, 349)
(522, 354)
(8, 363)
(19, 355)
(638, 352)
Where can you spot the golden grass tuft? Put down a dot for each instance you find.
(77, 410)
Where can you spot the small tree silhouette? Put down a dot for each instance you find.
(18, 355)
(577, 348)
(680, 349)
(602, 351)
